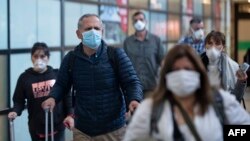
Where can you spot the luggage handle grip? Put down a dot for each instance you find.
(51, 123)
(12, 132)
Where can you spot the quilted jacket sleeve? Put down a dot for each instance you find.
(63, 82)
(130, 83)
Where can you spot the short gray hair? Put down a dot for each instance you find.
(79, 25)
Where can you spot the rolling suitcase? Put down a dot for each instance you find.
(12, 133)
(47, 124)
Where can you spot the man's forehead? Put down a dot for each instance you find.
(91, 21)
(40, 51)
(139, 16)
(198, 25)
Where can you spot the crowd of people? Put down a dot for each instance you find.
(98, 86)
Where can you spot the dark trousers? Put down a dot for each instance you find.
(59, 136)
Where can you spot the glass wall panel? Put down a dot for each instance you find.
(158, 4)
(23, 26)
(3, 97)
(223, 26)
(187, 6)
(170, 45)
(16, 68)
(198, 7)
(207, 7)
(84, 0)
(73, 11)
(174, 6)
(217, 9)
(131, 12)
(158, 25)
(222, 9)
(117, 2)
(165, 47)
(185, 24)
(34, 22)
(48, 25)
(3, 24)
(207, 26)
(173, 26)
(115, 23)
(217, 24)
(139, 3)
(55, 59)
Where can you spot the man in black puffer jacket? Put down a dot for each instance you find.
(99, 103)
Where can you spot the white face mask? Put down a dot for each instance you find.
(40, 65)
(213, 54)
(199, 34)
(139, 25)
(183, 83)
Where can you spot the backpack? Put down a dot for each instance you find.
(158, 109)
(112, 59)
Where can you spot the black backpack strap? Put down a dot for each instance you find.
(155, 116)
(188, 121)
(71, 63)
(112, 59)
(177, 136)
(218, 106)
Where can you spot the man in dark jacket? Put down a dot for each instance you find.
(99, 103)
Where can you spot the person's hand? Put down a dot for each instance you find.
(49, 104)
(241, 75)
(69, 122)
(12, 115)
(133, 105)
(128, 115)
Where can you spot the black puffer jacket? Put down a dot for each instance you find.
(99, 103)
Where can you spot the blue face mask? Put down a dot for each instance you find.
(92, 39)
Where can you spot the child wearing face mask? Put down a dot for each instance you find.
(184, 99)
(231, 78)
(34, 86)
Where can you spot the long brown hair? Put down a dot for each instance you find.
(202, 95)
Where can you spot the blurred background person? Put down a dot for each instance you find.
(195, 36)
(34, 86)
(145, 51)
(186, 100)
(230, 76)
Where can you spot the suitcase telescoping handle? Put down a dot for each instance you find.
(47, 124)
(12, 133)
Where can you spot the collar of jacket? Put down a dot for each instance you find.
(79, 48)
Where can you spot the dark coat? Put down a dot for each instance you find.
(34, 88)
(99, 104)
